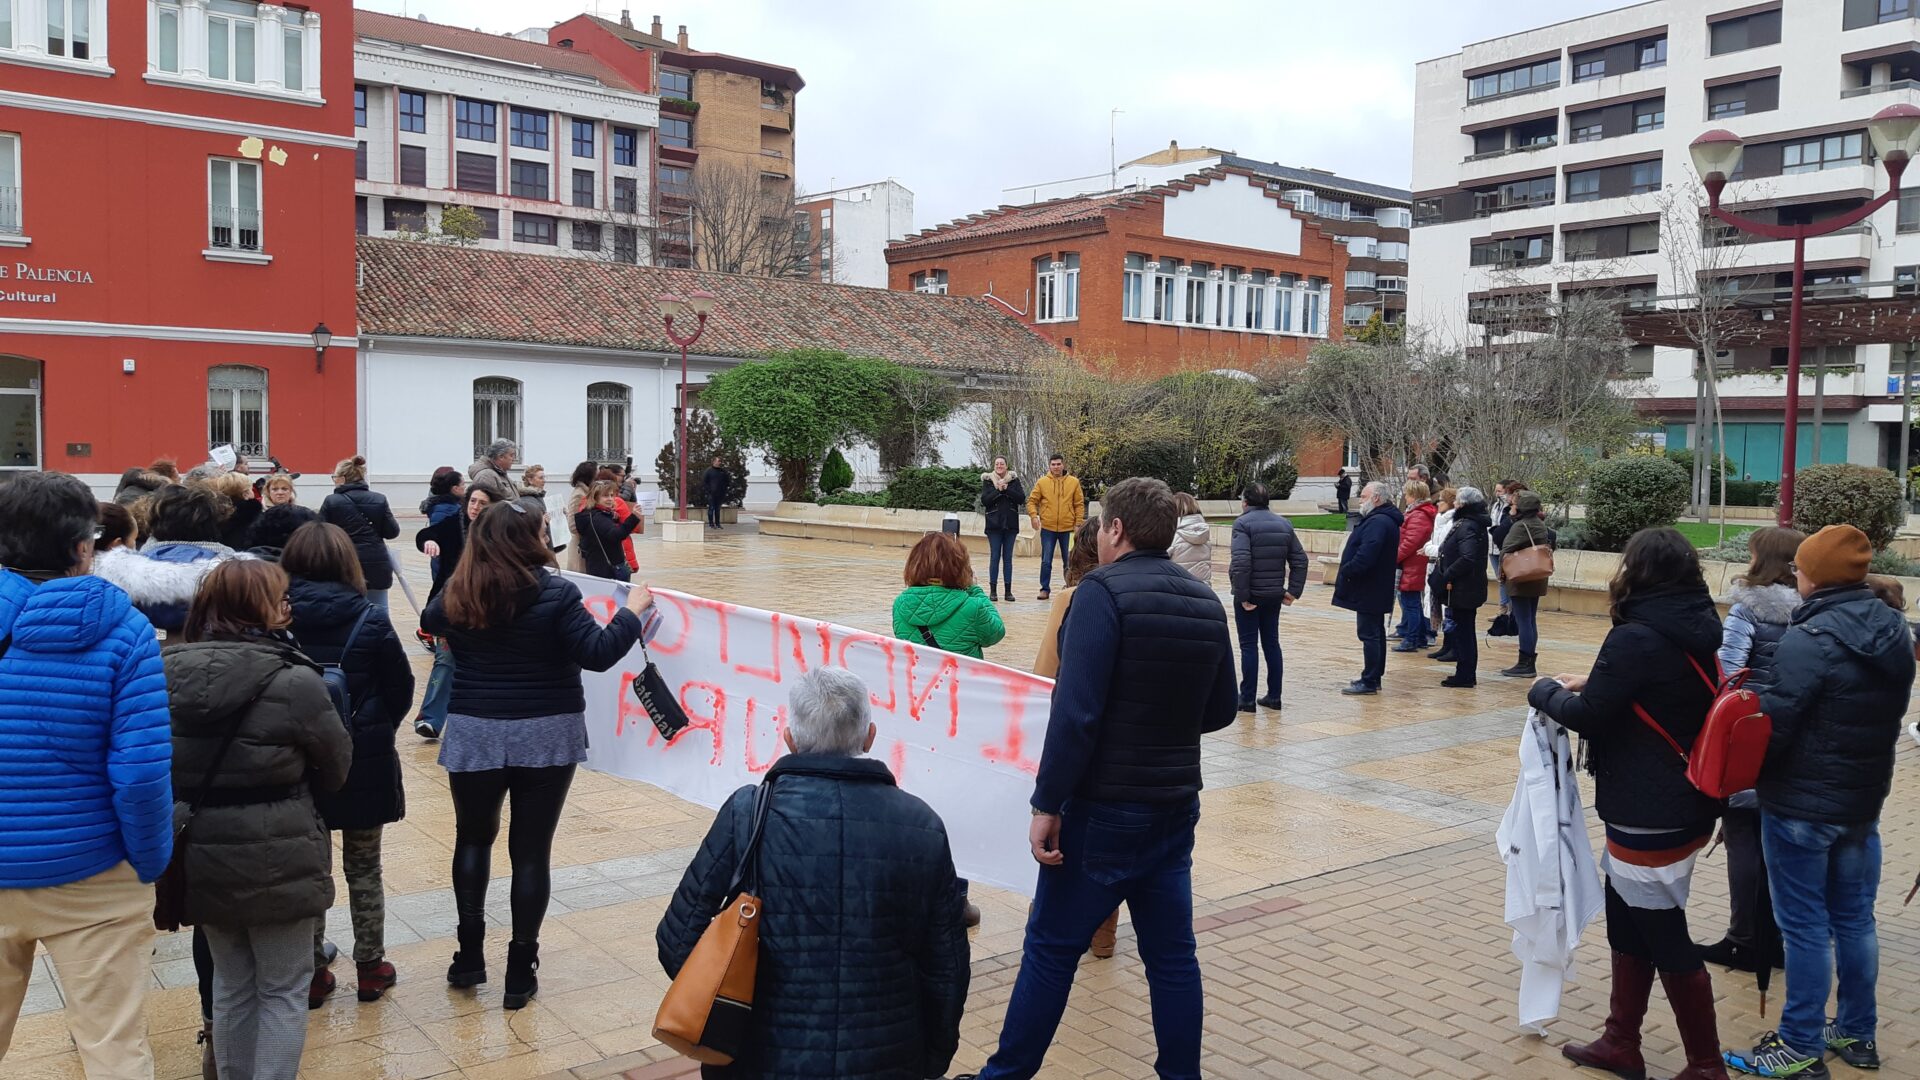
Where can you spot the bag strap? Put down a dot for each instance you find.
(238, 716)
(1713, 688)
(926, 635)
(746, 873)
(354, 634)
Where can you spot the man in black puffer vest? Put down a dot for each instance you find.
(1145, 670)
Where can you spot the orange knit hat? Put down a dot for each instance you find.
(1836, 555)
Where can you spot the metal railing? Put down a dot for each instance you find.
(1504, 151)
(1881, 88)
(233, 228)
(10, 210)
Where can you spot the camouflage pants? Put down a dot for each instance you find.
(366, 898)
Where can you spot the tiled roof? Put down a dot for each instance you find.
(1012, 219)
(418, 289)
(402, 31)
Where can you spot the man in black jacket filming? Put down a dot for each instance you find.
(714, 483)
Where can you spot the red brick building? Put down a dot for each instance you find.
(176, 221)
(1213, 271)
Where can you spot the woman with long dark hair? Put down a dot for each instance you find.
(517, 724)
(1658, 658)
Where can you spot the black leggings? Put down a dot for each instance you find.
(538, 796)
(1657, 935)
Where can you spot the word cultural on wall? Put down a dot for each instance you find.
(34, 280)
(962, 734)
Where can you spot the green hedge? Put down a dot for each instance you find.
(1837, 494)
(1280, 477)
(854, 498)
(1750, 492)
(934, 488)
(1627, 494)
(836, 475)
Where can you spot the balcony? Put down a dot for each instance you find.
(1487, 206)
(1884, 88)
(1508, 151)
(233, 228)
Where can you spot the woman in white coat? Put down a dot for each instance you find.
(1192, 547)
(1441, 526)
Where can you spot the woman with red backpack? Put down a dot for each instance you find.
(1658, 660)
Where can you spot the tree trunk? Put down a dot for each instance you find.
(796, 476)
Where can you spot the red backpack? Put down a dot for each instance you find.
(1732, 743)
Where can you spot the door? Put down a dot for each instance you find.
(19, 414)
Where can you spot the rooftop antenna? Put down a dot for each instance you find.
(1113, 155)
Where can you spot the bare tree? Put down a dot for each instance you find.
(740, 224)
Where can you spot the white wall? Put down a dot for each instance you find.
(1233, 211)
(865, 220)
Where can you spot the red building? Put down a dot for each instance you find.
(176, 231)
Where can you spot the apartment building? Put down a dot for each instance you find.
(845, 232)
(1546, 161)
(715, 109)
(1371, 220)
(550, 149)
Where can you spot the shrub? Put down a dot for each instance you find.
(853, 498)
(1892, 562)
(1574, 536)
(1750, 492)
(1734, 549)
(836, 475)
(703, 442)
(1166, 460)
(1866, 498)
(1280, 476)
(935, 488)
(1627, 494)
(1684, 458)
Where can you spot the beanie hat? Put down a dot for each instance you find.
(1527, 502)
(1836, 555)
(445, 479)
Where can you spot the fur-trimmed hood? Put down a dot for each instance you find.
(162, 580)
(988, 476)
(1765, 603)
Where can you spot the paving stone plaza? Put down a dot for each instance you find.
(1348, 892)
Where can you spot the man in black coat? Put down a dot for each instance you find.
(1268, 571)
(1365, 584)
(1836, 692)
(1145, 670)
(863, 957)
(1343, 489)
(714, 483)
(1460, 576)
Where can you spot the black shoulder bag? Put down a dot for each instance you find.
(651, 689)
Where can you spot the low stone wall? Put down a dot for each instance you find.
(880, 527)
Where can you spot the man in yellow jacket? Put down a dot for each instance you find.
(1057, 507)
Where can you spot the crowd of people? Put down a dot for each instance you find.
(225, 686)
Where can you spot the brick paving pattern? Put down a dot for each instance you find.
(1348, 894)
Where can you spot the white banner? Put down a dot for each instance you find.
(963, 734)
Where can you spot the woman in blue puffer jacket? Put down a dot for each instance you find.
(86, 798)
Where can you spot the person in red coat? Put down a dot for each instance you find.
(1415, 531)
(623, 512)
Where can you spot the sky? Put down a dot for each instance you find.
(960, 102)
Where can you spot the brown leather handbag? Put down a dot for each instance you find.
(707, 1013)
(1528, 564)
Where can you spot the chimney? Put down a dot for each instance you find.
(656, 26)
(683, 35)
(626, 18)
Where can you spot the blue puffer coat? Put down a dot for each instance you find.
(85, 745)
(863, 956)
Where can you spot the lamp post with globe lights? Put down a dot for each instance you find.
(1895, 132)
(699, 304)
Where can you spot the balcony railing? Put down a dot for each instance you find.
(1881, 88)
(1489, 208)
(234, 228)
(10, 210)
(1503, 152)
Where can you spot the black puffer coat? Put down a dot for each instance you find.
(1837, 691)
(237, 531)
(602, 540)
(1268, 559)
(531, 666)
(1461, 570)
(379, 686)
(1003, 506)
(1638, 780)
(369, 524)
(863, 955)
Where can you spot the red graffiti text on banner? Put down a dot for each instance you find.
(949, 670)
(754, 763)
(885, 645)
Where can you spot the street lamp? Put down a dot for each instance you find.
(1895, 131)
(698, 303)
(322, 339)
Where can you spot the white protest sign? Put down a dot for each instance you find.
(963, 734)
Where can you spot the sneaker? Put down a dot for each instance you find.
(1913, 731)
(424, 729)
(425, 639)
(1771, 1057)
(1859, 1053)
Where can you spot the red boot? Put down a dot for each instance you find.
(376, 978)
(1617, 1050)
(1691, 996)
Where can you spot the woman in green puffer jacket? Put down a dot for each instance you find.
(942, 606)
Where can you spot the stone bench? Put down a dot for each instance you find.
(877, 526)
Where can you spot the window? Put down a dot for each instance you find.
(237, 409)
(233, 211)
(496, 412)
(1886, 11)
(1643, 238)
(413, 165)
(1906, 281)
(1653, 53)
(626, 144)
(1511, 251)
(536, 229)
(10, 184)
(360, 215)
(293, 60)
(166, 28)
(231, 26)
(1612, 241)
(405, 215)
(1746, 32)
(1650, 115)
(1255, 317)
(1583, 186)
(529, 129)
(489, 222)
(1743, 98)
(675, 84)
(1394, 217)
(413, 113)
(476, 172)
(1196, 292)
(932, 282)
(626, 244)
(528, 179)
(1537, 76)
(1644, 177)
(70, 28)
(1514, 195)
(1393, 284)
(586, 236)
(583, 138)
(675, 131)
(1817, 154)
(1133, 286)
(607, 407)
(626, 195)
(1360, 279)
(675, 180)
(1057, 288)
(474, 119)
(583, 189)
(1909, 212)
(1588, 132)
(359, 106)
(1589, 65)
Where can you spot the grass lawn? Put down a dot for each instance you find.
(1703, 536)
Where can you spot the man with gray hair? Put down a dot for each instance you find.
(860, 932)
(490, 474)
(1365, 582)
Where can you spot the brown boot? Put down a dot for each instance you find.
(1617, 1050)
(1691, 995)
(209, 1068)
(1102, 947)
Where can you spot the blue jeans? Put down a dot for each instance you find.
(1259, 633)
(1373, 646)
(1526, 621)
(1048, 540)
(1413, 618)
(713, 512)
(1140, 853)
(1494, 559)
(1000, 555)
(433, 707)
(1823, 879)
(378, 597)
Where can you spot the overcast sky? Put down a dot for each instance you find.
(961, 101)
